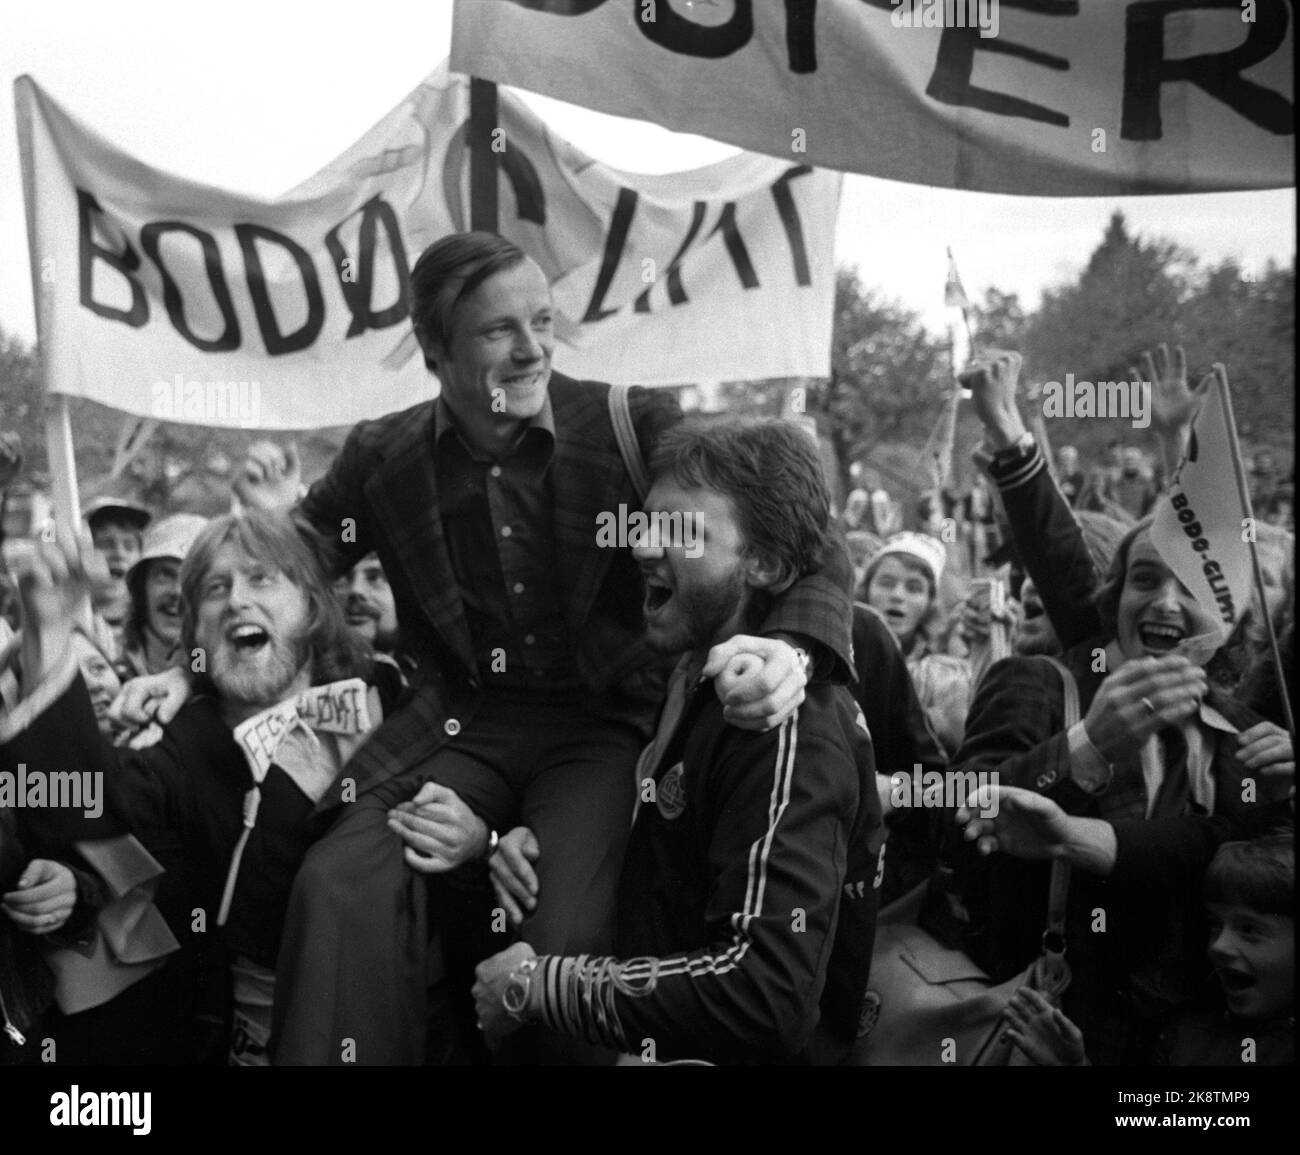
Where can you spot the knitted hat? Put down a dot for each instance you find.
(926, 549)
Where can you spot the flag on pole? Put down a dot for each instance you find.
(936, 456)
(1201, 528)
(954, 296)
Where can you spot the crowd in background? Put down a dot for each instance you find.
(1036, 559)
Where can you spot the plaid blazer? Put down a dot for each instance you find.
(381, 494)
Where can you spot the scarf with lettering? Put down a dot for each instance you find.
(310, 737)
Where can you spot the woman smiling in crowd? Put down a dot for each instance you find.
(1154, 742)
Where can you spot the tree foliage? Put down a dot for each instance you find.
(1248, 323)
(20, 396)
(182, 467)
(999, 321)
(1128, 298)
(889, 377)
(1132, 294)
(1135, 293)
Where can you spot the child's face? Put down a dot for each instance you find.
(1253, 955)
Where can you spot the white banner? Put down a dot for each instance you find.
(1041, 97)
(175, 300)
(1200, 528)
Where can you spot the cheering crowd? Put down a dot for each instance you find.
(410, 767)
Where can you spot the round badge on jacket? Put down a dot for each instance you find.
(670, 796)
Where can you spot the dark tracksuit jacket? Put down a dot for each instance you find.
(748, 899)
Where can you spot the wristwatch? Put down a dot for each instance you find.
(805, 659)
(518, 987)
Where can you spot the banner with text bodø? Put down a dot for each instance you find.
(1036, 97)
(171, 299)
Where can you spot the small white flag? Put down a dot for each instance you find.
(954, 296)
(1200, 526)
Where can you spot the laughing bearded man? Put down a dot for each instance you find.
(747, 904)
(226, 798)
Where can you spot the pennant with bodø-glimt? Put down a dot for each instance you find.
(1200, 522)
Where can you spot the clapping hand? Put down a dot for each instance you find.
(1143, 696)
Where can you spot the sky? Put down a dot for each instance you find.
(255, 95)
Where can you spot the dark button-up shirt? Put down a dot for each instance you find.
(497, 516)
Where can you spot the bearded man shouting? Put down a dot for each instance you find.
(225, 799)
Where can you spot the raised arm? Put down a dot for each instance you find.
(1173, 404)
(1048, 539)
(52, 731)
(332, 510)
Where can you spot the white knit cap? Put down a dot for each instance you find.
(926, 549)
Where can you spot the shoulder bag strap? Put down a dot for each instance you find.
(1053, 960)
(1072, 713)
(620, 417)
